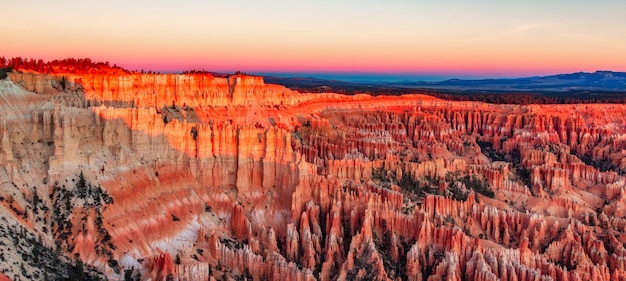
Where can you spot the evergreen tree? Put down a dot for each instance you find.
(81, 186)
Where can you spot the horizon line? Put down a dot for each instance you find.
(369, 74)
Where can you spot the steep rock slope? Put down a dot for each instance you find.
(193, 177)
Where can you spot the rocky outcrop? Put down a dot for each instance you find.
(160, 90)
(213, 177)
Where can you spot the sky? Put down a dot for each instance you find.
(429, 38)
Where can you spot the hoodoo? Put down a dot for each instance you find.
(195, 177)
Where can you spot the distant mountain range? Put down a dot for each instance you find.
(599, 80)
(580, 81)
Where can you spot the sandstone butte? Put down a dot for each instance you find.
(197, 177)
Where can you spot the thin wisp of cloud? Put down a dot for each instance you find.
(18, 27)
(523, 28)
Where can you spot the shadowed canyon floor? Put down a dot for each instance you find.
(195, 177)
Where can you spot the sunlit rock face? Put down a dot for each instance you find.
(197, 177)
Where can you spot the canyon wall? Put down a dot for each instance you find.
(196, 177)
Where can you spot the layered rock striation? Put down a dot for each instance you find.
(196, 177)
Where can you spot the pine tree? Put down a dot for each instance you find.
(81, 186)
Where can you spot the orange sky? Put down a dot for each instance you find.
(439, 37)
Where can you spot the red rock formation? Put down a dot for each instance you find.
(238, 223)
(244, 179)
(160, 266)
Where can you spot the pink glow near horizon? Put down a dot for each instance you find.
(451, 38)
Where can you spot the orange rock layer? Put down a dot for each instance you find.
(229, 177)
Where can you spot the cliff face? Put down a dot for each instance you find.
(159, 90)
(194, 177)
